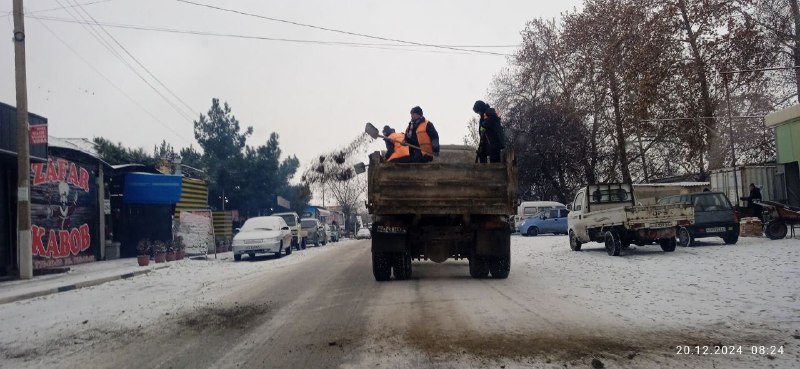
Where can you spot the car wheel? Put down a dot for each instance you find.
(776, 230)
(251, 255)
(574, 244)
(303, 244)
(613, 244)
(237, 257)
(668, 244)
(685, 238)
(731, 238)
(289, 250)
(280, 251)
(532, 231)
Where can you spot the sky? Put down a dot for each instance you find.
(317, 97)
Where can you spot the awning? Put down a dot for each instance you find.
(147, 188)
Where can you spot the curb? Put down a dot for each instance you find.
(75, 286)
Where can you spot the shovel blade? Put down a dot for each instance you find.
(360, 168)
(371, 130)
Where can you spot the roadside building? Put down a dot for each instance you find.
(8, 179)
(786, 123)
(67, 205)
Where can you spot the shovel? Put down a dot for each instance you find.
(372, 131)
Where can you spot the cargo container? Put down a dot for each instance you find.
(650, 193)
(735, 187)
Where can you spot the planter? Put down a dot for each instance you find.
(143, 260)
(180, 254)
(171, 256)
(161, 257)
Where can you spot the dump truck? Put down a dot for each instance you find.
(450, 208)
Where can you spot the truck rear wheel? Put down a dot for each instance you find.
(381, 266)
(574, 244)
(668, 244)
(402, 266)
(613, 244)
(500, 266)
(478, 267)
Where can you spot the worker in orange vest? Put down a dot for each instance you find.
(420, 132)
(396, 149)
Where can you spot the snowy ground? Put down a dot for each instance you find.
(558, 308)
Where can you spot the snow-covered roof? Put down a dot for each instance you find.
(674, 184)
(76, 143)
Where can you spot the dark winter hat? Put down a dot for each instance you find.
(387, 130)
(417, 110)
(480, 107)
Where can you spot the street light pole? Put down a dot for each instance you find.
(24, 252)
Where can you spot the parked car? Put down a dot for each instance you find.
(713, 217)
(315, 233)
(334, 232)
(298, 235)
(363, 233)
(268, 234)
(528, 209)
(548, 221)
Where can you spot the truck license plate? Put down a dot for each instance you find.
(661, 225)
(715, 229)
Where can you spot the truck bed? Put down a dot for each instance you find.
(643, 216)
(451, 184)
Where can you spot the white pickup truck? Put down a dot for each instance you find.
(607, 213)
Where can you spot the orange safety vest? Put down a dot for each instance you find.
(423, 139)
(400, 150)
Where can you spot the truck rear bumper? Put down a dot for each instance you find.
(655, 233)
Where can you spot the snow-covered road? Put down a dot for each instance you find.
(321, 308)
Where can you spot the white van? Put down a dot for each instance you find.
(527, 209)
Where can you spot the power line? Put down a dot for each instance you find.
(385, 46)
(336, 30)
(97, 36)
(120, 90)
(143, 67)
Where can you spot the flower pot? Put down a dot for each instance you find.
(181, 255)
(143, 260)
(161, 257)
(171, 256)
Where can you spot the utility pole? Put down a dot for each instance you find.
(24, 252)
(730, 132)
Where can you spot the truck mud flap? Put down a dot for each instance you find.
(388, 242)
(492, 242)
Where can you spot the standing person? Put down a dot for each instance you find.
(491, 133)
(396, 150)
(421, 133)
(755, 194)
